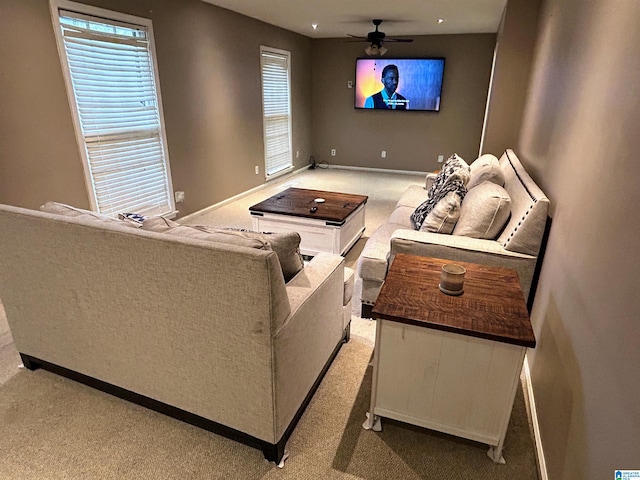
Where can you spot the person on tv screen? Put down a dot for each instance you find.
(388, 98)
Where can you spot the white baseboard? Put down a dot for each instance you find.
(380, 170)
(270, 183)
(531, 403)
(285, 178)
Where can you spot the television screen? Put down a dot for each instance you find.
(399, 83)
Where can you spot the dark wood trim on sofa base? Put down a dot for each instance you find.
(365, 310)
(272, 451)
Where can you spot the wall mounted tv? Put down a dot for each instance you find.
(414, 83)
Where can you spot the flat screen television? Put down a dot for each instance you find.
(414, 84)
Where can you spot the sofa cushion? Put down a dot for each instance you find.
(445, 214)
(421, 213)
(286, 245)
(412, 197)
(485, 211)
(372, 263)
(485, 168)
(69, 211)
(402, 215)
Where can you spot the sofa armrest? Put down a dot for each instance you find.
(301, 288)
(464, 249)
(309, 336)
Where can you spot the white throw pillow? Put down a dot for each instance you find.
(444, 215)
(484, 212)
(485, 168)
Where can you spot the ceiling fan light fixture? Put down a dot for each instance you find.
(375, 49)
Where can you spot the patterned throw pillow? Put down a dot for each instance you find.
(453, 168)
(420, 214)
(453, 177)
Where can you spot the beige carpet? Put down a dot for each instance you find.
(54, 428)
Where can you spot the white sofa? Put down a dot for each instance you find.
(206, 332)
(517, 245)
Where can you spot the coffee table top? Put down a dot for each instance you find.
(299, 202)
(491, 307)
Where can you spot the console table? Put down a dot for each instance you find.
(449, 363)
(326, 221)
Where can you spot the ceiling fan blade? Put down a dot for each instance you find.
(357, 36)
(406, 40)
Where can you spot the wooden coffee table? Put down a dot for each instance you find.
(449, 363)
(332, 225)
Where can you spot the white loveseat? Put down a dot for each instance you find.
(516, 246)
(206, 332)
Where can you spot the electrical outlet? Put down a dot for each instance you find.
(297, 153)
(257, 170)
(350, 84)
(333, 152)
(440, 158)
(179, 197)
(384, 154)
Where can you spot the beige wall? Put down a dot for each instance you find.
(412, 140)
(39, 157)
(514, 52)
(209, 65)
(208, 61)
(579, 139)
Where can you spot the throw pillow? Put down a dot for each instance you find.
(485, 168)
(445, 214)
(421, 213)
(484, 212)
(286, 245)
(454, 168)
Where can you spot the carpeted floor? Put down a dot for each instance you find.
(54, 428)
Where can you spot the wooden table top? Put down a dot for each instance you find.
(491, 307)
(298, 202)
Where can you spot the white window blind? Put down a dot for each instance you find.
(276, 101)
(112, 76)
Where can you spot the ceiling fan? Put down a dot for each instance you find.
(376, 39)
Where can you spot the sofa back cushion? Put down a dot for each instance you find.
(485, 211)
(485, 168)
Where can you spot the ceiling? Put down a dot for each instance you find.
(338, 18)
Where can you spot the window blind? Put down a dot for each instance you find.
(276, 111)
(115, 92)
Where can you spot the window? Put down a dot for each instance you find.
(108, 60)
(276, 107)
